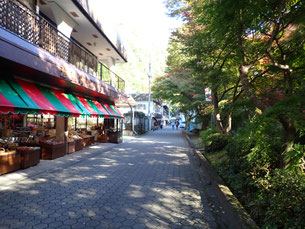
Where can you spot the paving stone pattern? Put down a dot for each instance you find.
(146, 183)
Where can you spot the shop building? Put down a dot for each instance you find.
(157, 108)
(58, 87)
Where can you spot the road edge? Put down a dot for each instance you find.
(237, 216)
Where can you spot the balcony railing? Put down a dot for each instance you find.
(30, 26)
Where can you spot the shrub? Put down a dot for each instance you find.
(285, 199)
(217, 142)
(213, 141)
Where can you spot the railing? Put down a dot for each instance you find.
(30, 26)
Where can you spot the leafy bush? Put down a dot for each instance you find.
(296, 158)
(285, 200)
(213, 141)
(217, 142)
(275, 198)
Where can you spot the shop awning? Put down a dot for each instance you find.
(113, 107)
(87, 108)
(10, 101)
(20, 96)
(99, 107)
(93, 107)
(45, 100)
(111, 110)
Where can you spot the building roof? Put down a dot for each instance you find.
(140, 96)
(144, 97)
(130, 102)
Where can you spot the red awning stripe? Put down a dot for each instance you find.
(101, 109)
(4, 102)
(87, 106)
(113, 107)
(8, 97)
(110, 110)
(36, 95)
(64, 99)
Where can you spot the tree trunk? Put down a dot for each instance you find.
(288, 138)
(216, 112)
(228, 123)
(244, 71)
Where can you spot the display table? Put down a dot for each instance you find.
(29, 157)
(52, 151)
(71, 146)
(102, 139)
(31, 144)
(78, 144)
(9, 161)
(115, 137)
(88, 141)
(91, 140)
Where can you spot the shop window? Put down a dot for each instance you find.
(49, 121)
(72, 123)
(33, 120)
(81, 123)
(91, 123)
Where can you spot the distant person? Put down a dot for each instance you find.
(177, 124)
(155, 125)
(173, 125)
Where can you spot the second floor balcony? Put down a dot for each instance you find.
(25, 23)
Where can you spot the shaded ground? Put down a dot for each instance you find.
(146, 183)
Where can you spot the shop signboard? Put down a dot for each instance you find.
(208, 95)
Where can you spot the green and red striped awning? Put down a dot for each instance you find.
(45, 100)
(20, 96)
(112, 110)
(10, 102)
(113, 107)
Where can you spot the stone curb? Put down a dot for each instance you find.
(236, 214)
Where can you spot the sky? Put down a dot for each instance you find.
(147, 16)
(147, 26)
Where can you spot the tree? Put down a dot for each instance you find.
(266, 38)
(179, 85)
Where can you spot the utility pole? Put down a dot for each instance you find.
(149, 113)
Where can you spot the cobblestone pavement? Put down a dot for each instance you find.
(146, 183)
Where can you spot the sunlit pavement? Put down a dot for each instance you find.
(147, 182)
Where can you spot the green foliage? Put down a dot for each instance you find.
(252, 55)
(243, 112)
(274, 197)
(139, 128)
(296, 158)
(285, 200)
(213, 141)
(204, 135)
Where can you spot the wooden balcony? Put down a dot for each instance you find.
(33, 28)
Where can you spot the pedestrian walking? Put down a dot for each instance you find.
(177, 124)
(155, 125)
(173, 125)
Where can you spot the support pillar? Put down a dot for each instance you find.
(61, 128)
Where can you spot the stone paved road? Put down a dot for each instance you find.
(146, 183)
